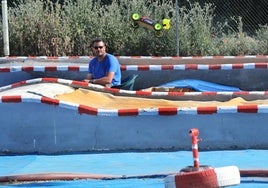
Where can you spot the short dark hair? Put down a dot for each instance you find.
(97, 40)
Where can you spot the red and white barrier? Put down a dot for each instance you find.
(163, 67)
(205, 178)
(202, 176)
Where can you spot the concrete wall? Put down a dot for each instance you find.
(245, 79)
(29, 127)
(41, 128)
(254, 79)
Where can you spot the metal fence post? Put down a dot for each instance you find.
(177, 29)
(5, 28)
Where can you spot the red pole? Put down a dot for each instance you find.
(194, 135)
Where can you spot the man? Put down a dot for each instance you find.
(104, 68)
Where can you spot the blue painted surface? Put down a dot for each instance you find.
(131, 163)
(132, 183)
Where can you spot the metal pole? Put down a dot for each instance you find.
(177, 29)
(5, 28)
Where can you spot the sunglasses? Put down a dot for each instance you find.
(98, 47)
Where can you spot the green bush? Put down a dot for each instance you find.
(196, 31)
(60, 29)
(262, 39)
(239, 43)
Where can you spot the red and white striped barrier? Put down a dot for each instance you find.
(138, 93)
(202, 176)
(125, 112)
(205, 178)
(84, 68)
(85, 109)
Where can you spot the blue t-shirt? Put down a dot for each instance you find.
(108, 64)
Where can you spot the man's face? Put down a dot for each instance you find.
(99, 49)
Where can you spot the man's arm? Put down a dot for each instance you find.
(106, 80)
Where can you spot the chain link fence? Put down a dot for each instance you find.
(244, 16)
(253, 13)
